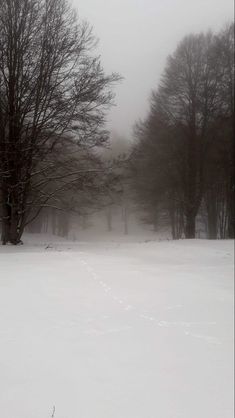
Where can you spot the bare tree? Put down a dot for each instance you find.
(185, 147)
(188, 98)
(157, 166)
(220, 159)
(50, 87)
(225, 55)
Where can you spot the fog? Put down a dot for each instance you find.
(135, 38)
(117, 250)
(84, 186)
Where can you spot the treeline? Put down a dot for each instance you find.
(54, 97)
(182, 162)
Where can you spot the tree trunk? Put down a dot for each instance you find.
(190, 229)
(212, 212)
(11, 230)
(5, 230)
(176, 215)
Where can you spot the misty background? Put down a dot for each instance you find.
(117, 223)
(135, 38)
(131, 127)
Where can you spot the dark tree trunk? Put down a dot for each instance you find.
(12, 225)
(212, 212)
(190, 228)
(176, 218)
(5, 225)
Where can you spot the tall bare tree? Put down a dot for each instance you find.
(225, 54)
(188, 99)
(220, 160)
(185, 147)
(50, 86)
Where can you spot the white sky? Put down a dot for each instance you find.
(136, 36)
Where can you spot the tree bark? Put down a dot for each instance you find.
(11, 229)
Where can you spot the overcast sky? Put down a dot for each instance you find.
(135, 38)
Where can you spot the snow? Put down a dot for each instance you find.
(116, 329)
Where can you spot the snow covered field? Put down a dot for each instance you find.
(116, 330)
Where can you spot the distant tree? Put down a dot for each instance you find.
(69, 181)
(184, 155)
(225, 54)
(220, 162)
(120, 196)
(50, 87)
(156, 164)
(187, 100)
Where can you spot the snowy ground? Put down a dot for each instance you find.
(118, 330)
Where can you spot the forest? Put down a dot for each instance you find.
(117, 173)
(176, 172)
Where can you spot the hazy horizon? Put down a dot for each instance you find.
(135, 38)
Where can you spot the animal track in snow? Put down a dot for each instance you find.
(144, 315)
(129, 308)
(168, 324)
(107, 289)
(169, 308)
(108, 331)
(207, 338)
(149, 318)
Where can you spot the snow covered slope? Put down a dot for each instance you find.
(120, 330)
